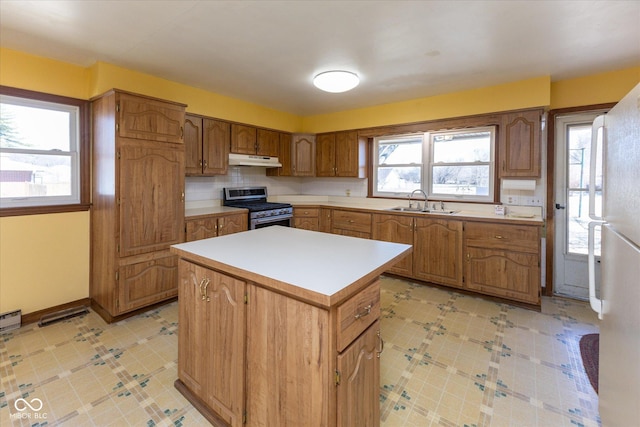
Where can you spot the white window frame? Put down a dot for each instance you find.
(427, 166)
(376, 165)
(73, 154)
(491, 163)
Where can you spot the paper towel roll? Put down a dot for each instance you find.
(519, 184)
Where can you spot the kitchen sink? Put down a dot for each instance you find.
(426, 211)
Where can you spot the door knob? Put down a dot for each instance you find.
(559, 206)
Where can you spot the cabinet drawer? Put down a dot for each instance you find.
(520, 238)
(355, 221)
(306, 212)
(357, 313)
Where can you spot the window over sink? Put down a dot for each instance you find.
(447, 165)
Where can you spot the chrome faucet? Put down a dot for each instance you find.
(418, 205)
(441, 205)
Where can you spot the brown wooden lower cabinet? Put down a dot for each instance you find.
(503, 260)
(143, 282)
(211, 340)
(437, 246)
(306, 218)
(497, 259)
(351, 223)
(215, 225)
(272, 360)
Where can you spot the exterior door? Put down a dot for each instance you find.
(573, 154)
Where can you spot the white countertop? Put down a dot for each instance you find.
(321, 263)
(464, 210)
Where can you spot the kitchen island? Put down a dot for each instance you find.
(280, 326)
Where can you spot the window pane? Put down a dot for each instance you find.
(399, 179)
(462, 147)
(33, 128)
(578, 221)
(579, 157)
(461, 180)
(400, 152)
(35, 175)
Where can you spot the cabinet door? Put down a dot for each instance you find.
(519, 147)
(211, 339)
(437, 251)
(151, 196)
(243, 139)
(289, 381)
(268, 142)
(359, 388)
(326, 154)
(304, 155)
(349, 157)
(284, 154)
(198, 229)
(396, 229)
(146, 118)
(326, 219)
(147, 282)
(234, 223)
(193, 145)
(512, 275)
(215, 146)
(193, 329)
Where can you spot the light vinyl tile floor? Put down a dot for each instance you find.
(449, 360)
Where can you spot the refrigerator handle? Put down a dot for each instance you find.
(596, 304)
(598, 124)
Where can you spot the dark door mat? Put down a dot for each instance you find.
(589, 350)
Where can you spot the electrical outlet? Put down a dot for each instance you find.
(533, 201)
(511, 199)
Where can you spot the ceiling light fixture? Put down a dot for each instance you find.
(336, 81)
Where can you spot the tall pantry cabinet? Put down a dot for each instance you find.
(138, 201)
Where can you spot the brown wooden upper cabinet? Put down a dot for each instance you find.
(148, 118)
(250, 140)
(206, 146)
(303, 155)
(340, 154)
(519, 144)
(284, 154)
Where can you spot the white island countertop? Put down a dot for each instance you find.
(320, 268)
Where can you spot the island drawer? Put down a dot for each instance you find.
(306, 212)
(522, 238)
(354, 221)
(356, 314)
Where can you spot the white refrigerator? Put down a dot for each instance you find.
(618, 303)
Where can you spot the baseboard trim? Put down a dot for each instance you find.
(36, 315)
(107, 317)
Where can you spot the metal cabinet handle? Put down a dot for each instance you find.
(381, 341)
(365, 311)
(497, 236)
(204, 283)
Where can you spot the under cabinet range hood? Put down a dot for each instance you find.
(251, 160)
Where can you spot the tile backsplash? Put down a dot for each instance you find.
(210, 188)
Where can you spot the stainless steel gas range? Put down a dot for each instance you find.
(261, 212)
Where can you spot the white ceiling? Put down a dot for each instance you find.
(267, 52)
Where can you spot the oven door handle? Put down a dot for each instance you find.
(271, 219)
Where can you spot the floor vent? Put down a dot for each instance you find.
(48, 319)
(10, 320)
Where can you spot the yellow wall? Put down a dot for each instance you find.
(509, 96)
(106, 76)
(596, 89)
(44, 259)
